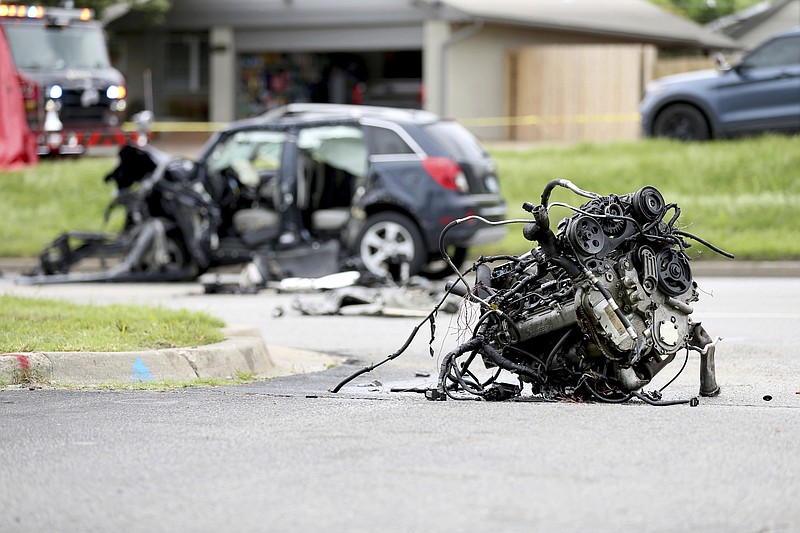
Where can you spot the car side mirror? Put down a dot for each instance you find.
(721, 62)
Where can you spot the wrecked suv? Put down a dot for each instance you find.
(305, 190)
(384, 180)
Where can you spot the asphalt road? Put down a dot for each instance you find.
(286, 455)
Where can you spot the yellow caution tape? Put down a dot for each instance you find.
(540, 120)
(477, 122)
(180, 127)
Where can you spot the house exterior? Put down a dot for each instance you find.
(758, 23)
(220, 61)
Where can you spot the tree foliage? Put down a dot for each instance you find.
(704, 11)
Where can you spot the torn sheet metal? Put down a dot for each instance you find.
(371, 301)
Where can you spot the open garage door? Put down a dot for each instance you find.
(272, 79)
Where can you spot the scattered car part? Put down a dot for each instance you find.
(593, 312)
(411, 300)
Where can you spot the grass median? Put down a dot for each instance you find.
(742, 195)
(39, 203)
(42, 325)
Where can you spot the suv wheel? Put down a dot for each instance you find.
(385, 239)
(682, 122)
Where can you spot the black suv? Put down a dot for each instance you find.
(382, 181)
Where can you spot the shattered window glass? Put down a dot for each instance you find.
(341, 147)
(250, 153)
(330, 160)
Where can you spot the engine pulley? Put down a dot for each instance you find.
(674, 273)
(647, 203)
(586, 235)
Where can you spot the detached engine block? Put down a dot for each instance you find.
(594, 311)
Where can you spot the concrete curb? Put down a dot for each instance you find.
(242, 351)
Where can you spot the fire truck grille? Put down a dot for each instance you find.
(74, 113)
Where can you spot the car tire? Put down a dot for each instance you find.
(439, 269)
(681, 122)
(384, 237)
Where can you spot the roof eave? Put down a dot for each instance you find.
(454, 14)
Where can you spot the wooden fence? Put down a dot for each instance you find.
(582, 92)
(676, 65)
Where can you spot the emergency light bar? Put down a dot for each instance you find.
(37, 12)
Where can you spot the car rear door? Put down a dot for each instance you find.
(763, 91)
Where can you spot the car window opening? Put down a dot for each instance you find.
(331, 160)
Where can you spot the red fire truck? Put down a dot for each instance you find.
(74, 99)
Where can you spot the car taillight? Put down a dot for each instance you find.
(446, 173)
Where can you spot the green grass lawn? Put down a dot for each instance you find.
(39, 203)
(742, 195)
(32, 324)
